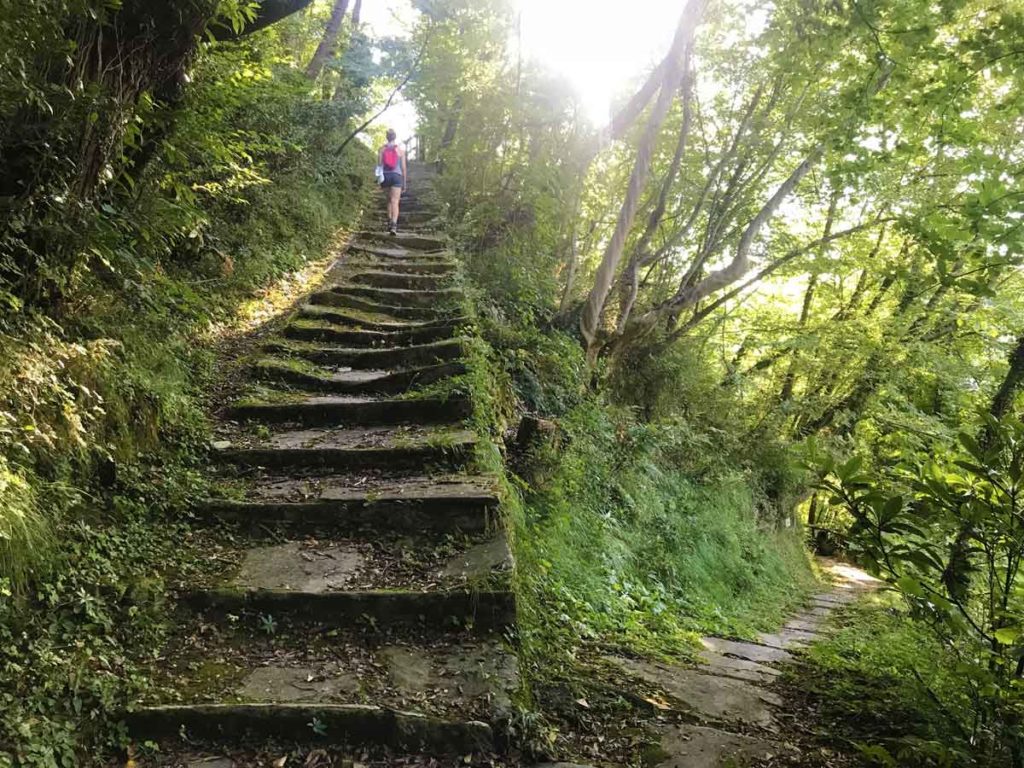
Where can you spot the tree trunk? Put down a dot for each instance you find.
(357, 13)
(805, 310)
(268, 12)
(329, 43)
(591, 319)
(1003, 399)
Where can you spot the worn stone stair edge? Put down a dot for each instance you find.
(485, 610)
(366, 258)
(302, 330)
(397, 298)
(443, 515)
(393, 383)
(368, 412)
(385, 279)
(394, 357)
(339, 315)
(453, 456)
(401, 256)
(339, 724)
(332, 298)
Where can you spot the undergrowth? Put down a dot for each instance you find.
(102, 401)
(890, 687)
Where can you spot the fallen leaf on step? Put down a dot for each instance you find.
(279, 763)
(659, 703)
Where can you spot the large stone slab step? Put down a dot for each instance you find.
(396, 255)
(454, 676)
(324, 330)
(354, 381)
(391, 447)
(393, 358)
(367, 257)
(324, 503)
(373, 562)
(390, 279)
(373, 321)
(406, 240)
(327, 410)
(338, 725)
(400, 297)
(422, 216)
(335, 298)
(483, 611)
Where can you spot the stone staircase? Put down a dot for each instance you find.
(364, 602)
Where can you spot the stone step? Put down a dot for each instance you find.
(333, 298)
(400, 297)
(408, 266)
(390, 279)
(402, 255)
(354, 381)
(454, 676)
(414, 504)
(484, 611)
(422, 216)
(411, 356)
(342, 449)
(321, 330)
(349, 411)
(409, 241)
(376, 561)
(373, 321)
(336, 724)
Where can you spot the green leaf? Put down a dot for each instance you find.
(1009, 635)
(911, 586)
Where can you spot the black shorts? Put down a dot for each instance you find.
(392, 179)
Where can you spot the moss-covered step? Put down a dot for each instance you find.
(374, 321)
(407, 240)
(302, 329)
(422, 216)
(381, 447)
(336, 298)
(418, 267)
(445, 504)
(392, 254)
(317, 379)
(483, 610)
(337, 724)
(363, 359)
(367, 562)
(400, 297)
(452, 676)
(410, 280)
(352, 411)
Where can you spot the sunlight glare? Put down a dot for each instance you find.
(602, 48)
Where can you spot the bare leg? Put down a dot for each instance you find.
(396, 196)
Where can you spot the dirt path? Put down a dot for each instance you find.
(724, 712)
(364, 596)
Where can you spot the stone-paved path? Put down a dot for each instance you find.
(729, 714)
(365, 585)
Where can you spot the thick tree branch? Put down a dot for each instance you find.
(269, 12)
(591, 318)
(630, 278)
(329, 42)
(385, 108)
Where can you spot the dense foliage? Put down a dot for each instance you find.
(149, 193)
(797, 242)
(783, 285)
